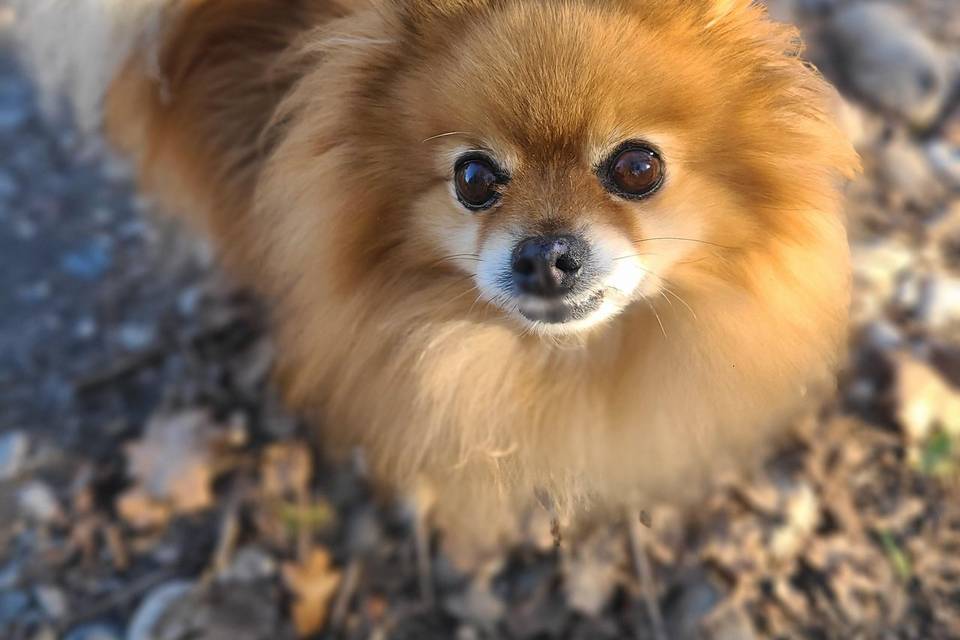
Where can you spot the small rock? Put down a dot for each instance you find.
(13, 114)
(85, 328)
(116, 169)
(36, 292)
(882, 336)
(592, 573)
(939, 304)
(8, 187)
(910, 292)
(38, 502)
(907, 174)
(94, 632)
(88, 263)
(728, 622)
(877, 268)
(136, 337)
(801, 519)
(696, 598)
(945, 159)
(477, 605)
(13, 604)
(250, 564)
(52, 600)
(889, 61)
(943, 245)
(862, 392)
(14, 447)
(44, 633)
(189, 301)
(364, 532)
(9, 576)
(103, 215)
(25, 230)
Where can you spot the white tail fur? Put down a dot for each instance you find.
(74, 48)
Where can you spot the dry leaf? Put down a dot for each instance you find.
(141, 510)
(802, 514)
(286, 469)
(313, 583)
(173, 465)
(924, 400)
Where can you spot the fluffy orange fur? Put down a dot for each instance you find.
(313, 141)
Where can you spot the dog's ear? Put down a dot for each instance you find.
(716, 12)
(194, 108)
(417, 15)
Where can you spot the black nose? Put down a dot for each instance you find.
(548, 266)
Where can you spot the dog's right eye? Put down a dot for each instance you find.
(476, 181)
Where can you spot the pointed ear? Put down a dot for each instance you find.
(719, 11)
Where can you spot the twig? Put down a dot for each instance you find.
(641, 564)
(304, 525)
(226, 541)
(119, 370)
(348, 586)
(119, 598)
(421, 537)
(422, 502)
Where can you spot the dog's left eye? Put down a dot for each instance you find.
(634, 171)
(476, 181)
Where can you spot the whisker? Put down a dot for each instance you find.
(445, 135)
(450, 285)
(657, 315)
(712, 244)
(693, 261)
(683, 302)
(458, 296)
(456, 256)
(664, 296)
(657, 275)
(633, 255)
(475, 301)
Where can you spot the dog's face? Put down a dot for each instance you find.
(576, 160)
(563, 160)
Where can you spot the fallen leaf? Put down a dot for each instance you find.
(313, 583)
(925, 401)
(286, 469)
(141, 510)
(173, 466)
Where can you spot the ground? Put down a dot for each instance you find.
(152, 487)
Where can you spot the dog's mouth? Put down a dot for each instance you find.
(558, 311)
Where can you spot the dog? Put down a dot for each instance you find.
(588, 254)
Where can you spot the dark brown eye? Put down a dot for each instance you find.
(634, 171)
(476, 181)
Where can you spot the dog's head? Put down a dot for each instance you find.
(574, 158)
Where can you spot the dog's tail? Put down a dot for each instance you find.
(75, 48)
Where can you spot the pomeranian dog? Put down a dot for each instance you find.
(582, 252)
